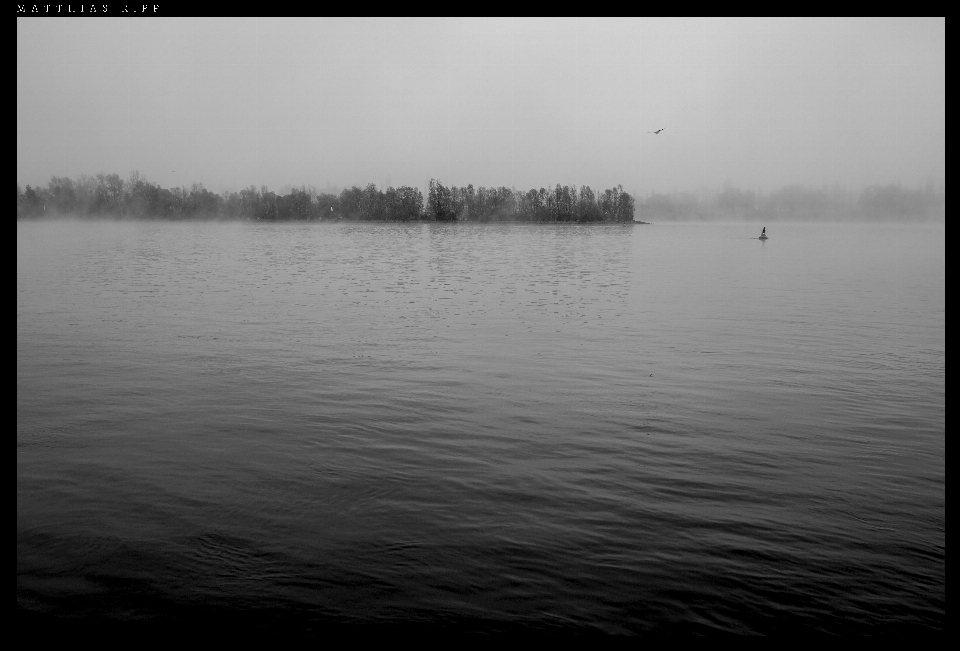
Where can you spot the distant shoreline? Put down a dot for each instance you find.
(51, 217)
(135, 197)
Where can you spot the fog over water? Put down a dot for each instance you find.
(757, 103)
(349, 322)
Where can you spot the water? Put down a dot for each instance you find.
(619, 429)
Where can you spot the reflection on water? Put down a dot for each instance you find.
(612, 428)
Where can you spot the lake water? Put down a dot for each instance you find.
(622, 429)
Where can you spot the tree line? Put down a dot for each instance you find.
(797, 202)
(109, 195)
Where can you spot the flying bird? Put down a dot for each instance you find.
(657, 131)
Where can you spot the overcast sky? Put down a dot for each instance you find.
(757, 103)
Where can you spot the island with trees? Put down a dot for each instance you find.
(111, 196)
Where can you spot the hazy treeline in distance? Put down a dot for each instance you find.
(797, 203)
(109, 195)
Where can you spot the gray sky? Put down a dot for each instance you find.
(757, 103)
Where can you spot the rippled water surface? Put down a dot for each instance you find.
(603, 428)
